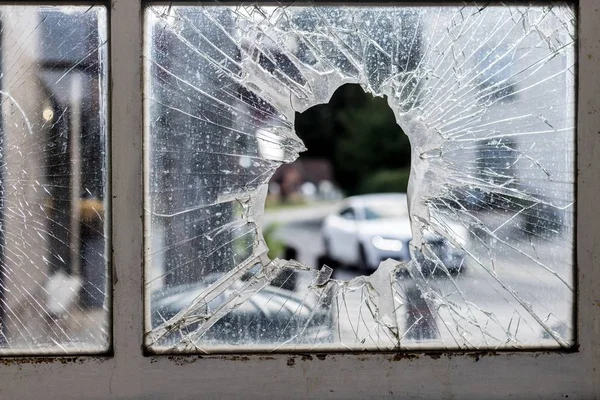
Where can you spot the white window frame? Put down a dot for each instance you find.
(127, 372)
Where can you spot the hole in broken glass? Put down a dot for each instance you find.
(342, 202)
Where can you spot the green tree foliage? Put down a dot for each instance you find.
(359, 134)
(386, 180)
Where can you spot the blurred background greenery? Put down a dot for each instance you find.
(358, 134)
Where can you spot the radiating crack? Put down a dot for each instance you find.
(486, 96)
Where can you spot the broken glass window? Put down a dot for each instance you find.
(53, 180)
(485, 94)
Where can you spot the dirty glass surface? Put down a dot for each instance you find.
(53, 180)
(484, 93)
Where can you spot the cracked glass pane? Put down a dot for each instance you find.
(53, 180)
(481, 254)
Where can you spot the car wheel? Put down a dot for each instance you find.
(326, 258)
(326, 247)
(363, 263)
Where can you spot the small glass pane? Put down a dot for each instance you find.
(477, 254)
(53, 181)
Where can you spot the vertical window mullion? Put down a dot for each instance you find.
(126, 172)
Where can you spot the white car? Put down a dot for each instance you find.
(368, 229)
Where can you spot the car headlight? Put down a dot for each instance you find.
(387, 244)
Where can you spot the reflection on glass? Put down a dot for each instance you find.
(252, 105)
(53, 266)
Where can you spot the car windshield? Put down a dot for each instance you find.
(386, 209)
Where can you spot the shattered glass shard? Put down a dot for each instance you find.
(54, 293)
(486, 96)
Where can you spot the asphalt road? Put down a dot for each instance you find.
(515, 301)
